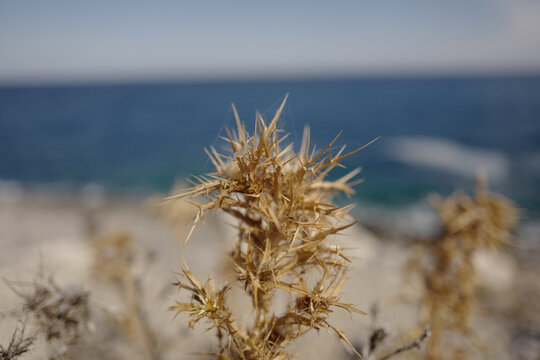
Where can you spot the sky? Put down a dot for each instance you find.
(112, 40)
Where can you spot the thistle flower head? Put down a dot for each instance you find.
(205, 301)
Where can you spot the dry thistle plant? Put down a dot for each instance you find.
(60, 315)
(114, 258)
(469, 224)
(282, 202)
(19, 344)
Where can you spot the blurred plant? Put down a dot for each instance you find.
(378, 335)
(178, 215)
(114, 262)
(282, 201)
(19, 344)
(61, 315)
(469, 224)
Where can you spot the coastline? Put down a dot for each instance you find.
(52, 232)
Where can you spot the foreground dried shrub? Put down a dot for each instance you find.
(469, 224)
(282, 202)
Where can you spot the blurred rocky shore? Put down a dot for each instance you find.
(51, 231)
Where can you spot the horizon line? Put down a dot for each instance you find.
(270, 78)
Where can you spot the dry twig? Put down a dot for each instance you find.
(415, 344)
(19, 344)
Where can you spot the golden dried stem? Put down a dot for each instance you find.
(282, 202)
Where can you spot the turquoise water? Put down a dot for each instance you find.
(144, 136)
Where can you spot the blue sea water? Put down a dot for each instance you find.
(145, 136)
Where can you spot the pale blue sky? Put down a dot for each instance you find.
(108, 40)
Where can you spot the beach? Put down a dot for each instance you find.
(51, 233)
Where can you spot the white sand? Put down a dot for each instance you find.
(52, 232)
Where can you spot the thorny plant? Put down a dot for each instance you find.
(19, 344)
(282, 201)
(469, 224)
(114, 258)
(61, 315)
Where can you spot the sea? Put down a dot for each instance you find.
(435, 134)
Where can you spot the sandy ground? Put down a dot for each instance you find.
(45, 232)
